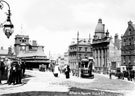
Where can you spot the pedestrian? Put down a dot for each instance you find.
(8, 68)
(18, 72)
(129, 78)
(110, 74)
(23, 66)
(42, 67)
(67, 72)
(56, 70)
(12, 77)
(131, 75)
(2, 67)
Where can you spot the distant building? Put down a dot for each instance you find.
(60, 60)
(63, 60)
(66, 58)
(6, 53)
(32, 54)
(77, 51)
(128, 47)
(106, 53)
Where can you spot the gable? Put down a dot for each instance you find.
(130, 30)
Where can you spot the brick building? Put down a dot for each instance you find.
(128, 47)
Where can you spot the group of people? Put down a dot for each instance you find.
(129, 74)
(66, 71)
(15, 70)
(42, 67)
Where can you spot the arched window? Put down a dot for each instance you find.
(129, 41)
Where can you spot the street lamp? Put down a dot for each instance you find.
(7, 25)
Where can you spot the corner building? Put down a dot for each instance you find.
(107, 54)
(78, 51)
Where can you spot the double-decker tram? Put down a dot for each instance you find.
(86, 66)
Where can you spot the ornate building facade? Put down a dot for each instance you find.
(77, 51)
(104, 50)
(128, 47)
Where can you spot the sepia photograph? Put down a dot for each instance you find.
(67, 48)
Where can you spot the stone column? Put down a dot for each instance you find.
(107, 56)
(95, 56)
(98, 58)
(102, 57)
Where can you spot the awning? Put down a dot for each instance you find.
(37, 61)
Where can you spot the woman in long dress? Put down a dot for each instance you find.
(67, 72)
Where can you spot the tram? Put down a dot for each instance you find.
(86, 66)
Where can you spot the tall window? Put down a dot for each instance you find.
(124, 60)
(80, 48)
(124, 42)
(129, 32)
(86, 49)
(129, 41)
(129, 61)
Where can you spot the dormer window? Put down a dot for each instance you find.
(129, 41)
(124, 40)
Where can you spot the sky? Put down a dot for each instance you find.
(54, 23)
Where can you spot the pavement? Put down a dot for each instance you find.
(44, 83)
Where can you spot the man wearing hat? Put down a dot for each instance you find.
(8, 67)
(1, 69)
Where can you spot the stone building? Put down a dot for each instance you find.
(105, 52)
(77, 51)
(21, 43)
(30, 52)
(128, 47)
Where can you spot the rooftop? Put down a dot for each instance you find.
(100, 26)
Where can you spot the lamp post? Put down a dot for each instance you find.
(7, 25)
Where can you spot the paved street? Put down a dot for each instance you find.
(45, 83)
